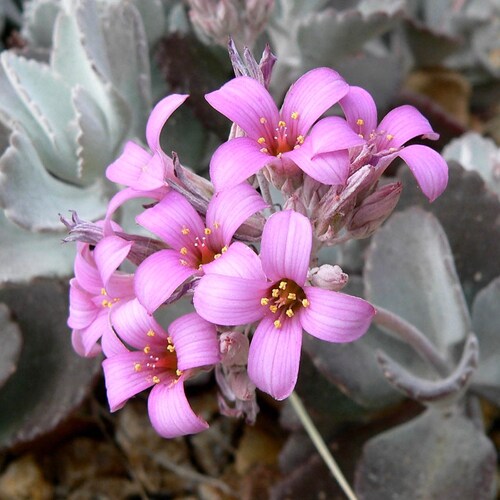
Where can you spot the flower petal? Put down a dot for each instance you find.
(195, 341)
(400, 125)
(170, 413)
(82, 310)
(310, 96)
(286, 246)
(111, 344)
(229, 209)
(274, 357)
(360, 111)
(239, 260)
(157, 278)
(429, 168)
(126, 169)
(335, 316)
(235, 161)
(129, 194)
(245, 101)
(133, 323)
(229, 300)
(123, 380)
(159, 116)
(171, 218)
(86, 271)
(90, 335)
(109, 254)
(78, 347)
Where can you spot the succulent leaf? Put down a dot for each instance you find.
(10, 345)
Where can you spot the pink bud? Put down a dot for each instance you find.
(328, 277)
(234, 348)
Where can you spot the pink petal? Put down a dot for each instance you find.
(123, 380)
(286, 246)
(159, 116)
(152, 174)
(328, 168)
(157, 278)
(170, 217)
(133, 323)
(127, 167)
(170, 413)
(310, 96)
(360, 111)
(82, 310)
(239, 260)
(274, 357)
(111, 344)
(86, 272)
(78, 347)
(335, 316)
(229, 300)
(90, 335)
(235, 161)
(109, 254)
(400, 125)
(129, 194)
(229, 209)
(120, 285)
(429, 168)
(245, 101)
(195, 341)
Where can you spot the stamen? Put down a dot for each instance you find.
(360, 122)
(273, 308)
(185, 230)
(223, 249)
(137, 367)
(275, 293)
(183, 262)
(170, 348)
(262, 120)
(305, 303)
(178, 373)
(261, 140)
(264, 301)
(147, 349)
(150, 333)
(184, 251)
(216, 225)
(281, 124)
(389, 137)
(292, 296)
(264, 150)
(289, 313)
(300, 139)
(156, 379)
(103, 291)
(277, 324)
(294, 115)
(282, 285)
(207, 231)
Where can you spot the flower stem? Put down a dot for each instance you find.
(320, 445)
(413, 337)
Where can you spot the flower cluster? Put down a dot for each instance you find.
(249, 268)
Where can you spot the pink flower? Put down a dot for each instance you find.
(145, 172)
(163, 361)
(388, 138)
(272, 290)
(194, 244)
(280, 138)
(96, 290)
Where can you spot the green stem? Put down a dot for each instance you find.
(320, 445)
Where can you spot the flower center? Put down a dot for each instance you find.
(201, 250)
(282, 139)
(107, 301)
(283, 299)
(159, 362)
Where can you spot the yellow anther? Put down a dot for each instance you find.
(170, 348)
(392, 150)
(184, 251)
(277, 324)
(147, 349)
(261, 140)
(283, 285)
(360, 122)
(185, 230)
(217, 256)
(262, 120)
(300, 139)
(169, 340)
(183, 262)
(305, 302)
(223, 249)
(292, 296)
(289, 313)
(150, 333)
(207, 231)
(264, 150)
(216, 225)
(389, 137)
(103, 291)
(156, 379)
(264, 301)
(279, 155)
(281, 124)
(275, 293)
(178, 373)
(137, 367)
(294, 115)
(273, 308)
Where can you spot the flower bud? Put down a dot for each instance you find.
(374, 210)
(234, 348)
(328, 277)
